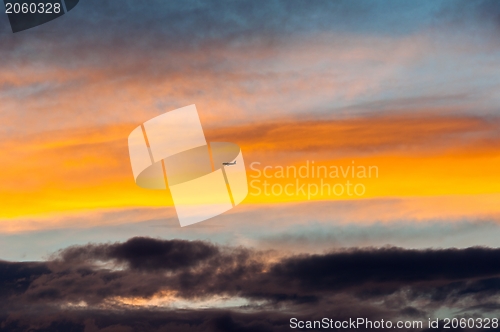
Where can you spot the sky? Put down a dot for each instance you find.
(394, 100)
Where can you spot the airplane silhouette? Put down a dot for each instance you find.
(229, 164)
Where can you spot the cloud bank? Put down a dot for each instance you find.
(121, 286)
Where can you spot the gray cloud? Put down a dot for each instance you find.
(386, 282)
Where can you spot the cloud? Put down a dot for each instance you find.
(95, 281)
(236, 61)
(73, 89)
(303, 227)
(89, 167)
(145, 253)
(15, 278)
(385, 133)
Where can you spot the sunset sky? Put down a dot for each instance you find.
(409, 87)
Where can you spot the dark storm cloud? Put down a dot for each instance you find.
(142, 267)
(392, 265)
(145, 253)
(377, 283)
(15, 278)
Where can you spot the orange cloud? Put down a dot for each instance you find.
(85, 166)
(371, 135)
(89, 169)
(100, 84)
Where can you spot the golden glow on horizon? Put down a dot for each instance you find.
(90, 169)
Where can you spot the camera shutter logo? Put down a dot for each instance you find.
(205, 179)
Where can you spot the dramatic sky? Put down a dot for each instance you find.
(408, 88)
